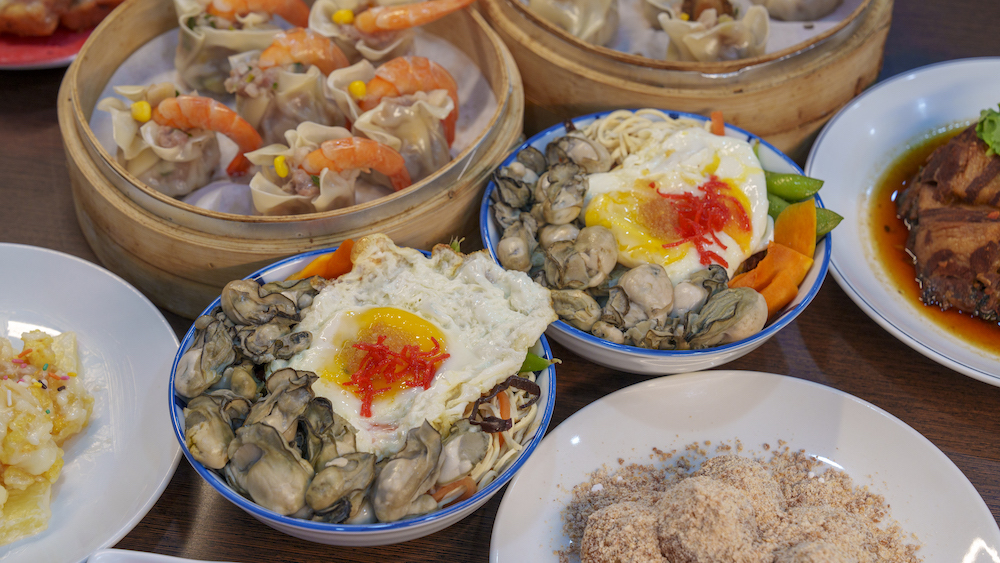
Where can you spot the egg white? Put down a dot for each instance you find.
(679, 162)
(489, 316)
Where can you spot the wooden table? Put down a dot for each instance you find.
(833, 342)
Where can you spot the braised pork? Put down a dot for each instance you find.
(952, 209)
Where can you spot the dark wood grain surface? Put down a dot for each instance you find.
(833, 342)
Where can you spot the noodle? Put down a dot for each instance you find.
(624, 132)
(499, 456)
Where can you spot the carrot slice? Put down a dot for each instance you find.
(329, 266)
(777, 276)
(444, 490)
(504, 403)
(795, 227)
(718, 125)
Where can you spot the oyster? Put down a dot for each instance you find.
(263, 467)
(203, 364)
(289, 393)
(246, 303)
(576, 308)
(464, 448)
(337, 491)
(585, 262)
(402, 484)
(325, 434)
(208, 425)
(591, 156)
(730, 315)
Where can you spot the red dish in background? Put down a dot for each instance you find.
(56, 50)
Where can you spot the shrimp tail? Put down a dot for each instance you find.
(239, 166)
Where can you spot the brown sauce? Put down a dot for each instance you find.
(889, 234)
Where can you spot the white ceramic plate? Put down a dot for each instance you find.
(118, 466)
(852, 153)
(928, 495)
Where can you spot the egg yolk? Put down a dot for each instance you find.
(652, 227)
(391, 351)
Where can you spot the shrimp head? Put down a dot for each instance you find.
(295, 12)
(405, 16)
(409, 75)
(304, 46)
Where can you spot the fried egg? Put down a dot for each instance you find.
(461, 322)
(685, 200)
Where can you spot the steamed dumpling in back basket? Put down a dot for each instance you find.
(168, 141)
(799, 10)
(283, 86)
(593, 21)
(321, 169)
(211, 31)
(713, 30)
(409, 104)
(376, 30)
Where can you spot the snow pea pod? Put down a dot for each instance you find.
(791, 187)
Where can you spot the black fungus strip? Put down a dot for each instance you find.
(494, 424)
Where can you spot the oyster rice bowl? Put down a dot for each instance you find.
(649, 227)
(373, 407)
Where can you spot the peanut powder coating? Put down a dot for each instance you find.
(779, 508)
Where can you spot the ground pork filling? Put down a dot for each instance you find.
(782, 507)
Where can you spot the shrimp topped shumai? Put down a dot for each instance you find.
(283, 85)
(168, 141)
(211, 31)
(319, 170)
(367, 31)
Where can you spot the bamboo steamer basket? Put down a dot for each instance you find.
(784, 97)
(182, 256)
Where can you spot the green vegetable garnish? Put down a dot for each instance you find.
(456, 244)
(826, 220)
(315, 180)
(988, 129)
(775, 205)
(535, 363)
(791, 187)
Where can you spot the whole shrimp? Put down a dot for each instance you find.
(409, 75)
(405, 16)
(355, 153)
(295, 12)
(197, 112)
(304, 46)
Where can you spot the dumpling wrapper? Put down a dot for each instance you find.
(355, 45)
(799, 10)
(336, 189)
(710, 40)
(593, 21)
(297, 97)
(410, 124)
(203, 52)
(171, 170)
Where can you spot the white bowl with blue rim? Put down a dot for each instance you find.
(358, 534)
(663, 362)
